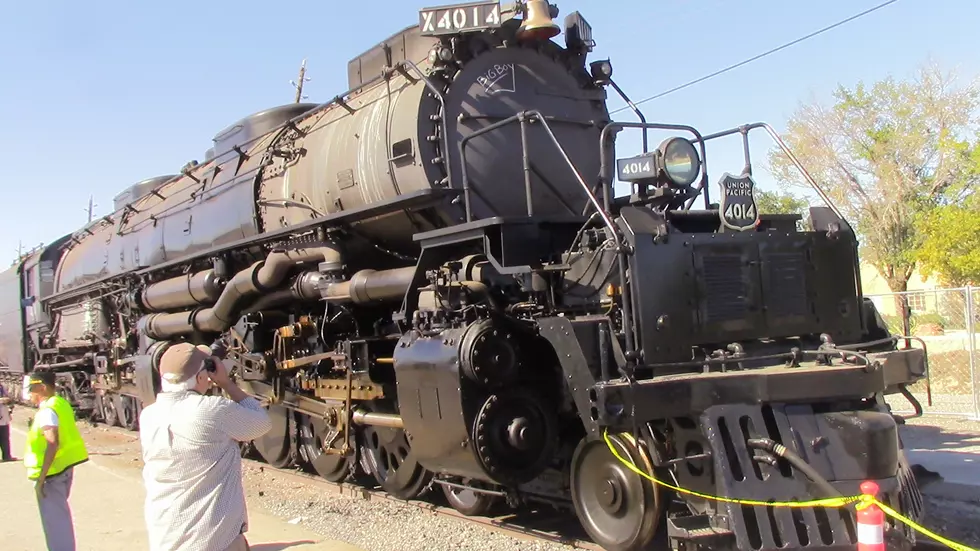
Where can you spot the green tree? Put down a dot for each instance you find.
(951, 243)
(887, 154)
(775, 202)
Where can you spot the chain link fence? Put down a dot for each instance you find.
(948, 322)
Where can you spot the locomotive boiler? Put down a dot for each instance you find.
(430, 284)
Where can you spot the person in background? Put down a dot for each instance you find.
(192, 460)
(6, 407)
(53, 448)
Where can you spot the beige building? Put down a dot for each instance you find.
(923, 295)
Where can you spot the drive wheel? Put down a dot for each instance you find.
(126, 411)
(386, 454)
(109, 415)
(331, 466)
(274, 446)
(469, 502)
(618, 508)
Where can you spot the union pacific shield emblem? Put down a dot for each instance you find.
(738, 210)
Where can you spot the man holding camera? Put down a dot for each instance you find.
(192, 460)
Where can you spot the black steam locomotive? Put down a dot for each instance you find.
(429, 281)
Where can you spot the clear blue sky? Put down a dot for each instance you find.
(95, 96)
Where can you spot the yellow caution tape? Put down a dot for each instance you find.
(863, 501)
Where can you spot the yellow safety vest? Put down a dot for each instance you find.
(71, 448)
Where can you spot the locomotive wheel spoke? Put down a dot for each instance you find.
(386, 454)
(618, 508)
(274, 446)
(331, 466)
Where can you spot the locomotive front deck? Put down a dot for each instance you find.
(669, 396)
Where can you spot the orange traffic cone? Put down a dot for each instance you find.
(870, 522)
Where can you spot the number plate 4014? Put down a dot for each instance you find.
(638, 168)
(459, 18)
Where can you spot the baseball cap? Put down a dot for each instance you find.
(183, 361)
(42, 377)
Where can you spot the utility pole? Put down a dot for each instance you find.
(91, 208)
(301, 80)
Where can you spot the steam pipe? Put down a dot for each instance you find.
(271, 300)
(368, 286)
(263, 276)
(182, 291)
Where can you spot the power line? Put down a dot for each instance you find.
(760, 56)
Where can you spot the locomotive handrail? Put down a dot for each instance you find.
(605, 170)
(746, 128)
(636, 110)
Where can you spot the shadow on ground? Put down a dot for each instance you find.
(931, 437)
(277, 546)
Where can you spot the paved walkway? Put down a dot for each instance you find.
(960, 471)
(949, 446)
(107, 506)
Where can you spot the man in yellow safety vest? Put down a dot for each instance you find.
(54, 446)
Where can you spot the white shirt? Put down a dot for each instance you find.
(193, 469)
(46, 418)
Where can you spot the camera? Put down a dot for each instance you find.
(210, 366)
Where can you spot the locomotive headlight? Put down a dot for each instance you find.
(680, 161)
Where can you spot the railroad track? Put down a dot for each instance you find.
(530, 528)
(528, 525)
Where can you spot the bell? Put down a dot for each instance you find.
(538, 24)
